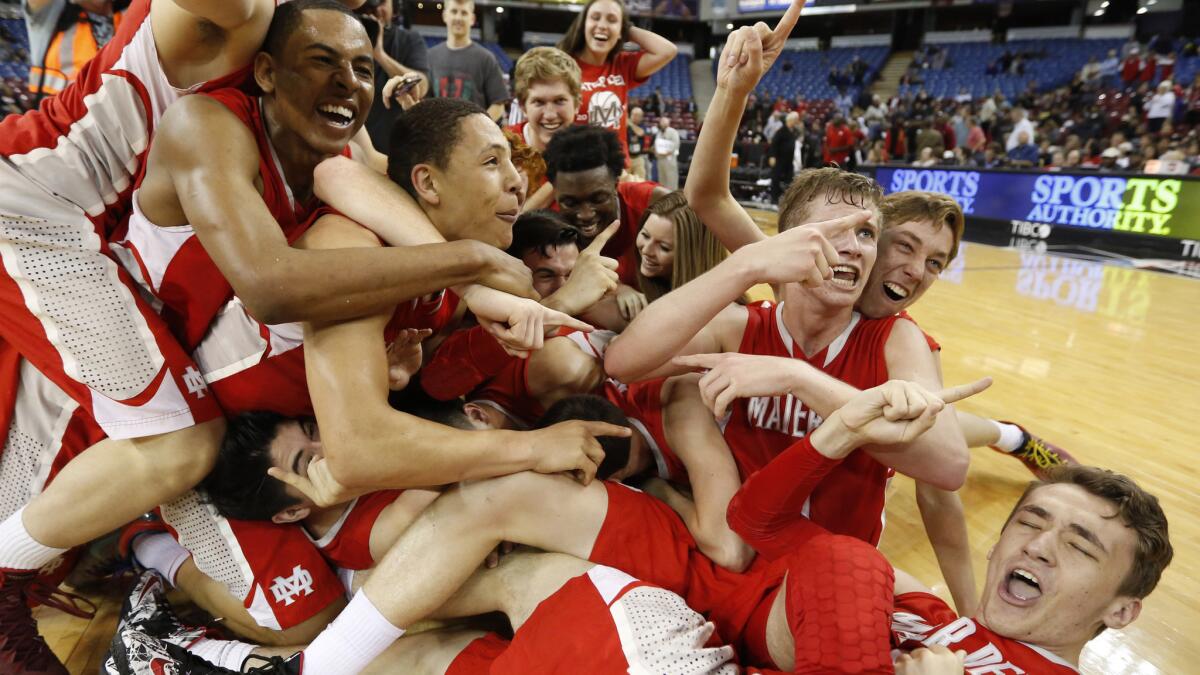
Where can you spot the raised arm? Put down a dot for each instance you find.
(658, 51)
(368, 444)
(680, 324)
(748, 54)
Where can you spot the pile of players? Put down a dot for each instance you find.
(352, 395)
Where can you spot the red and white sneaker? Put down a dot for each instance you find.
(1037, 454)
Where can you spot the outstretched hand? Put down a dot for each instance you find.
(404, 356)
(936, 660)
(897, 411)
(732, 376)
(750, 51)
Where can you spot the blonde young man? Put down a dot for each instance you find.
(547, 89)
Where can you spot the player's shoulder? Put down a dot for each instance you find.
(331, 229)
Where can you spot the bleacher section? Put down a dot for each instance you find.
(1049, 63)
(806, 73)
(675, 81)
(14, 65)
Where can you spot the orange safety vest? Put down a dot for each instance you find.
(69, 50)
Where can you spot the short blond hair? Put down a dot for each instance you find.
(836, 185)
(546, 64)
(916, 205)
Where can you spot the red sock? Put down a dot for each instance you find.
(768, 510)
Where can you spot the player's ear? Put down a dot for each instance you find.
(1122, 611)
(264, 72)
(426, 184)
(291, 514)
(477, 415)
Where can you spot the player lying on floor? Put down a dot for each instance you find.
(613, 525)
(351, 531)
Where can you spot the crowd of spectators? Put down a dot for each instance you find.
(1117, 115)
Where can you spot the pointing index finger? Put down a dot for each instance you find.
(602, 238)
(832, 228)
(788, 21)
(959, 392)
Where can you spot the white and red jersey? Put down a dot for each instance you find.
(618, 625)
(250, 365)
(348, 543)
(851, 498)
(87, 144)
(925, 620)
(170, 263)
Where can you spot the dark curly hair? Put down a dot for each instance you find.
(583, 148)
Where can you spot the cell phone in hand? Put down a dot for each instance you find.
(406, 86)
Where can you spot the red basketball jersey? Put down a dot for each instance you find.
(924, 620)
(348, 543)
(171, 263)
(851, 498)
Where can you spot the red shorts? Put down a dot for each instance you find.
(76, 315)
(642, 404)
(618, 625)
(478, 656)
(275, 570)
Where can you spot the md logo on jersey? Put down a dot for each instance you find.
(605, 110)
(287, 589)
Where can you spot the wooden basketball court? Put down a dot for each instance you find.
(1097, 358)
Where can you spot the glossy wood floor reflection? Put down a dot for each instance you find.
(1097, 358)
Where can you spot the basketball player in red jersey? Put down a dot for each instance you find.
(1076, 556)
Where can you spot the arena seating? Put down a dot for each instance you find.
(14, 43)
(1049, 63)
(806, 73)
(675, 81)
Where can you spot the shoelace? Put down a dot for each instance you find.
(1041, 455)
(272, 664)
(20, 637)
(56, 598)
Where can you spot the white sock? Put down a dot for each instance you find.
(358, 635)
(1011, 436)
(160, 552)
(223, 653)
(19, 550)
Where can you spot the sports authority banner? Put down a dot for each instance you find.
(1132, 214)
(1161, 206)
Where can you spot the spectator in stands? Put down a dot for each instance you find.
(1108, 160)
(666, 152)
(895, 140)
(781, 156)
(774, 123)
(875, 117)
(1020, 120)
(925, 158)
(636, 137)
(1192, 116)
(839, 142)
(930, 137)
(963, 96)
(63, 36)
(1056, 161)
(843, 102)
(1024, 153)
(1130, 68)
(1110, 67)
(1074, 159)
(988, 110)
(943, 125)
(1166, 66)
(596, 39)
(993, 156)
(398, 52)
(877, 154)
(1161, 106)
(1147, 68)
(462, 69)
(976, 138)
(1089, 75)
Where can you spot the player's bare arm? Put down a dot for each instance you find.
(748, 54)
(945, 524)
(368, 444)
(198, 40)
